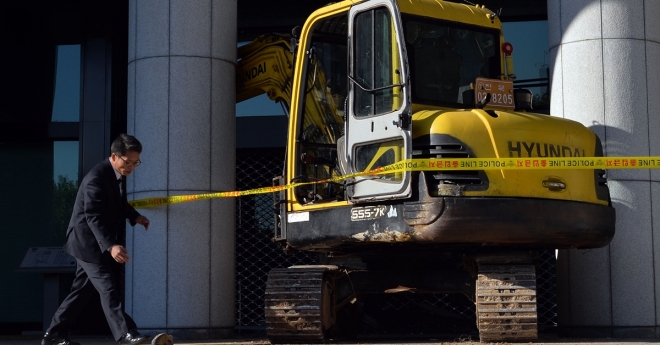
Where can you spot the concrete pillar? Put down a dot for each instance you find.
(181, 106)
(605, 70)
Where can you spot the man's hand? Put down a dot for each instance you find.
(143, 220)
(120, 254)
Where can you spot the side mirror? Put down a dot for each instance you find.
(523, 99)
(468, 98)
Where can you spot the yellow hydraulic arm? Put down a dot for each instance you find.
(265, 65)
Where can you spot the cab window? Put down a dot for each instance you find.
(376, 63)
(323, 115)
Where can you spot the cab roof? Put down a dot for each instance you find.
(452, 11)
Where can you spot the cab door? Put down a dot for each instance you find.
(378, 122)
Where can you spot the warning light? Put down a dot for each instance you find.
(507, 48)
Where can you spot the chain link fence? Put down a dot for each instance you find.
(256, 254)
(394, 313)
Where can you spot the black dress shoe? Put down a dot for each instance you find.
(133, 338)
(51, 339)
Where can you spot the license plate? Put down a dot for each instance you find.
(501, 92)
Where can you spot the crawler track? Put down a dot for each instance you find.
(295, 304)
(506, 303)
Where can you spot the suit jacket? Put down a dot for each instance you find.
(99, 215)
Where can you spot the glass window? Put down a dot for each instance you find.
(325, 83)
(373, 156)
(65, 160)
(324, 99)
(66, 100)
(65, 186)
(445, 57)
(376, 63)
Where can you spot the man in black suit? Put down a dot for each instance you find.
(94, 237)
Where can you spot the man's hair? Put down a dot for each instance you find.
(125, 143)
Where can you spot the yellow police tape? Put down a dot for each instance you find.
(565, 163)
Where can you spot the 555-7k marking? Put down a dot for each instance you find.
(367, 212)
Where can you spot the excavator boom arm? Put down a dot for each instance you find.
(265, 65)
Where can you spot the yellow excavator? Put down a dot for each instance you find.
(369, 83)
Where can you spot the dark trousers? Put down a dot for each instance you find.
(90, 277)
